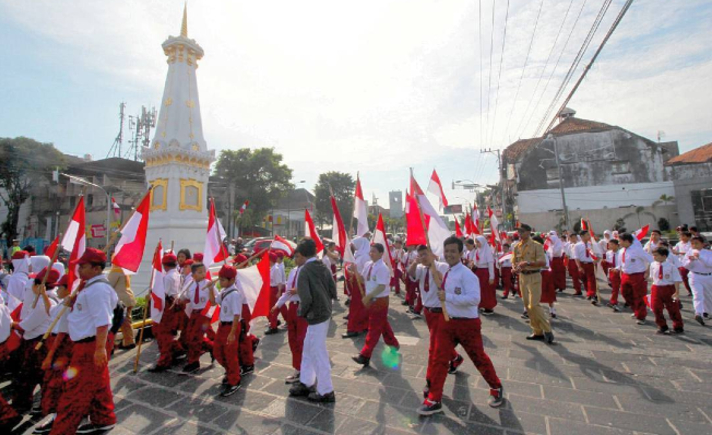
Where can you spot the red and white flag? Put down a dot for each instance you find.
(339, 235)
(215, 250)
(438, 231)
(379, 236)
(129, 250)
(75, 241)
(255, 286)
(52, 247)
(116, 208)
(641, 233)
(505, 257)
(495, 240)
(475, 219)
(436, 188)
(158, 290)
(284, 245)
(414, 226)
(310, 231)
(458, 231)
(360, 210)
(244, 207)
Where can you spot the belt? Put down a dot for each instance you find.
(226, 323)
(701, 273)
(87, 340)
(198, 310)
(530, 272)
(170, 299)
(632, 274)
(434, 310)
(463, 318)
(294, 303)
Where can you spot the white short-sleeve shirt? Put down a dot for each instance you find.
(377, 274)
(429, 294)
(93, 309)
(230, 305)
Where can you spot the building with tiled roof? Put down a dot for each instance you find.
(692, 175)
(702, 154)
(608, 173)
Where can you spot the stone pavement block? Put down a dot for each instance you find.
(397, 417)
(154, 396)
(294, 410)
(446, 424)
(630, 421)
(566, 427)
(545, 407)
(327, 421)
(288, 429)
(600, 400)
(672, 410)
(237, 422)
(183, 428)
(141, 419)
(203, 409)
(508, 418)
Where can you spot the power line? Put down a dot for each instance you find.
(489, 76)
(617, 21)
(584, 46)
(543, 71)
(499, 74)
(561, 54)
(479, 17)
(526, 61)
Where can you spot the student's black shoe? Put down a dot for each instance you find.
(536, 337)
(640, 322)
(158, 369)
(300, 390)
(271, 331)
(700, 320)
(255, 343)
(349, 334)
(505, 296)
(246, 370)
(360, 359)
(191, 368)
(127, 347)
(292, 379)
(230, 390)
(549, 337)
(487, 312)
(524, 315)
(94, 428)
(322, 398)
(404, 303)
(45, 427)
(496, 397)
(429, 408)
(454, 364)
(662, 331)
(679, 330)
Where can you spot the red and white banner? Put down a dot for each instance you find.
(436, 188)
(310, 231)
(244, 207)
(215, 250)
(495, 240)
(158, 290)
(379, 236)
(129, 250)
(360, 210)
(255, 286)
(339, 235)
(641, 233)
(284, 245)
(458, 231)
(438, 231)
(75, 240)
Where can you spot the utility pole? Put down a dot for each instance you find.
(561, 180)
(501, 182)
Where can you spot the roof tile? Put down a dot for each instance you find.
(702, 154)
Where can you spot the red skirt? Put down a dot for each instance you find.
(488, 296)
(548, 291)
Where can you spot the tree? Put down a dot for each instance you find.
(638, 211)
(255, 175)
(343, 186)
(24, 162)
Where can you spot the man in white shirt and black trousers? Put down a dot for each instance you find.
(89, 391)
(377, 278)
(460, 293)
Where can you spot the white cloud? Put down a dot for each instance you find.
(380, 86)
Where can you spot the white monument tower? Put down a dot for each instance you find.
(178, 160)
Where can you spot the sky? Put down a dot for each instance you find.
(371, 86)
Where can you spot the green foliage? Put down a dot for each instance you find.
(663, 224)
(258, 176)
(24, 161)
(343, 186)
(619, 225)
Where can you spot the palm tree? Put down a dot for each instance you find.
(638, 211)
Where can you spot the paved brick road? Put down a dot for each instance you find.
(605, 375)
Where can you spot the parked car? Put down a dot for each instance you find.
(257, 244)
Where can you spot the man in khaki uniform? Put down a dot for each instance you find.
(121, 284)
(528, 260)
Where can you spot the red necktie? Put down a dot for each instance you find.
(587, 254)
(369, 272)
(624, 255)
(426, 285)
(660, 274)
(445, 279)
(294, 280)
(477, 257)
(614, 260)
(196, 299)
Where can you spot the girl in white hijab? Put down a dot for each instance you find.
(358, 316)
(19, 279)
(484, 264)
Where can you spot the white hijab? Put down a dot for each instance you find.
(363, 247)
(556, 245)
(21, 265)
(39, 262)
(484, 251)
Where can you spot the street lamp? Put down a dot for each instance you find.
(80, 180)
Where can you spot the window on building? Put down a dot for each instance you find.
(619, 167)
(90, 200)
(552, 175)
(72, 202)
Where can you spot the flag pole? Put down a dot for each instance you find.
(172, 242)
(359, 281)
(436, 274)
(145, 311)
(351, 222)
(43, 292)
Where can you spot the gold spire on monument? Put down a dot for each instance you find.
(184, 25)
